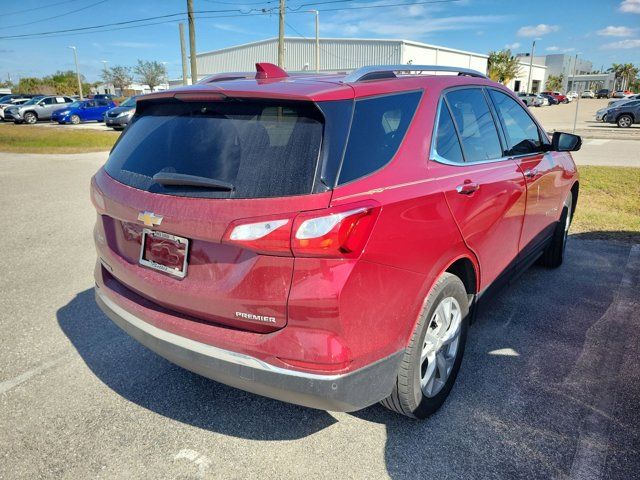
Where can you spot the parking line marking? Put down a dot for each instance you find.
(593, 443)
(7, 385)
(596, 141)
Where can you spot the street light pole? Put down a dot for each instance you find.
(75, 57)
(533, 49)
(573, 84)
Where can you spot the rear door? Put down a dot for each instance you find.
(543, 175)
(267, 151)
(484, 190)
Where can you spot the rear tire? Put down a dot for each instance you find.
(624, 121)
(554, 253)
(432, 359)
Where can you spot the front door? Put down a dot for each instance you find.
(485, 192)
(524, 143)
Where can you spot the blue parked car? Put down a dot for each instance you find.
(83, 111)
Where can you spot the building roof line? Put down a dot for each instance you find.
(398, 41)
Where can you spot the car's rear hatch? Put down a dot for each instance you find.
(189, 168)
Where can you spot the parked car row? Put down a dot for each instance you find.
(67, 110)
(623, 113)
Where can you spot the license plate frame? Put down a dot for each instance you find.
(146, 232)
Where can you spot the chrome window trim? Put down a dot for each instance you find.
(433, 154)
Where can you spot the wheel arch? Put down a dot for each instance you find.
(30, 111)
(575, 190)
(465, 270)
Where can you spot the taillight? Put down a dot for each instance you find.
(334, 232)
(337, 232)
(263, 235)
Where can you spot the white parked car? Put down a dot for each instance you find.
(11, 103)
(572, 95)
(588, 94)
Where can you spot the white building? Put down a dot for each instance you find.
(336, 54)
(134, 88)
(538, 77)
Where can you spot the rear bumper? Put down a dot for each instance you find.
(345, 392)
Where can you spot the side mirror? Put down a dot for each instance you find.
(565, 142)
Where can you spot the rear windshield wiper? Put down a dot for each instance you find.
(184, 180)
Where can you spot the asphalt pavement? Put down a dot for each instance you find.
(549, 386)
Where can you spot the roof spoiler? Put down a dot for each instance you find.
(269, 71)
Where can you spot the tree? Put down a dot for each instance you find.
(151, 73)
(554, 82)
(120, 77)
(503, 67)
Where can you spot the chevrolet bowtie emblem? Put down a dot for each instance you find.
(149, 218)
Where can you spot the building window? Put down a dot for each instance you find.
(516, 86)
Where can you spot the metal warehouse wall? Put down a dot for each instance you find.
(335, 54)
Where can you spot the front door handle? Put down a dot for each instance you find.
(531, 173)
(467, 188)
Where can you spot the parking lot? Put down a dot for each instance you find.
(549, 386)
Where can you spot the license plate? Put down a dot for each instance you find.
(164, 252)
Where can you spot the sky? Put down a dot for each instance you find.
(602, 31)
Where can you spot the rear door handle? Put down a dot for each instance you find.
(531, 173)
(467, 188)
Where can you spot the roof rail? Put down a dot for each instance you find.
(222, 77)
(364, 73)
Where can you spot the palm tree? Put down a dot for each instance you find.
(554, 82)
(628, 72)
(616, 68)
(502, 66)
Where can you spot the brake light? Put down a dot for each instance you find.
(340, 232)
(335, 232)
(262, 235)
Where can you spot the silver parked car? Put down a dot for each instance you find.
(38, 108)
(531, 99)
(11, 103)
(620, 101)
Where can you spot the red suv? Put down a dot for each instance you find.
(322, 240)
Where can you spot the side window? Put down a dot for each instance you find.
(447, 142)
(478, 133)
(49, 101)
(521, 131)
(377, 129)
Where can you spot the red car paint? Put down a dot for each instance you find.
(558, 96)
(346, 303)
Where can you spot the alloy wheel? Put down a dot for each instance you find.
(440, 346)
(624, 121)
(30, 118)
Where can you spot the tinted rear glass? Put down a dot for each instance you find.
(377, 129)
(262, 148)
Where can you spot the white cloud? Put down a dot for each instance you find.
(630, 6)
(553, 48)
(231, 28)
(134, 44)
(537, 30)
(417, 21)
(612, 31)
(623, 44)
(512, 46)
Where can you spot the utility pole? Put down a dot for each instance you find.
(192, 42)
(317, 14)
(533, 49)
(75, 57)
(183, 52)
(281, 34)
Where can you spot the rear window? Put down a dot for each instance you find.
(377, 129)
(262, 148)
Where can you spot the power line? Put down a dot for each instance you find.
(251, 12)
(37, 8)
(57, 16)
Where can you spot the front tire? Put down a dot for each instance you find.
(553, 255)
(75, 119)
(434, 354)
(30, 118)
(624, 121)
